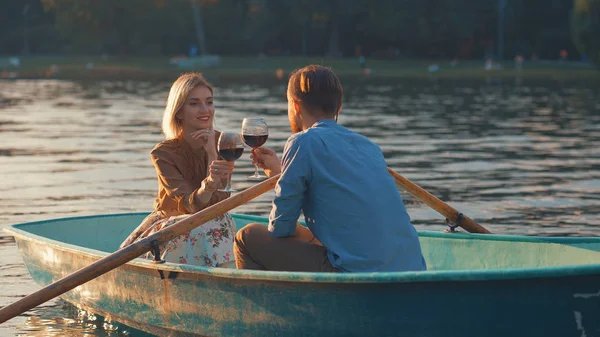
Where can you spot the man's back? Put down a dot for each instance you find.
(349, 200)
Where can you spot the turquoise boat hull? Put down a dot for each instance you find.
(476, 285)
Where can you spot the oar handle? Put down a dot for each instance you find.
(438, 205)
(133, 251)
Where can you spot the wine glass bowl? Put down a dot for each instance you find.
(255, 133)
(230, 147)
(255, 141)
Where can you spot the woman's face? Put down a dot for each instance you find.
(198, 110)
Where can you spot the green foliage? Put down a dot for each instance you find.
(436, 29)
(585, 28)
(117, 26)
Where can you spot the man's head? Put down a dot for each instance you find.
(314, 93)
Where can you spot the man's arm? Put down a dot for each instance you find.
(290, 189)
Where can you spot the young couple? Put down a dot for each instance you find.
(355, 218)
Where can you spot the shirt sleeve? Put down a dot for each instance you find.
(176, 186)
(290, 189)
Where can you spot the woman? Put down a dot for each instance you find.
(189, 174)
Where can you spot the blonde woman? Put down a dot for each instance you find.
(189, 174)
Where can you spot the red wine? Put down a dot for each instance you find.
(231, 154)
(255, 141)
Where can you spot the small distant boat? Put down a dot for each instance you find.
(476, 285)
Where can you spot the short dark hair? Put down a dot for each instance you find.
(316, 87)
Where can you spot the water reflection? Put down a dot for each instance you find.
(72, 322)
(519, 157)
(83, 146)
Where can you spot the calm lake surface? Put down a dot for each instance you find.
(520, 157)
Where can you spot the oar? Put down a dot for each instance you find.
(133, 251)
(438, 205)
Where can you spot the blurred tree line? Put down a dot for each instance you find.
(466, 29)
(585, 25)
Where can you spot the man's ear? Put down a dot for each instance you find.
(296, 108)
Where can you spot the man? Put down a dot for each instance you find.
(355, 216)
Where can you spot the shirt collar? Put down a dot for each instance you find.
(324, 122)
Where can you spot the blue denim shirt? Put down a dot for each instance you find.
(339, 180)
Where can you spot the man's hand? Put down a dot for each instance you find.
(305, 234)
(267, 160)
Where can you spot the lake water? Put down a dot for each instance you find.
(519, 157)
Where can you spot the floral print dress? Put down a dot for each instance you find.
(209, 245)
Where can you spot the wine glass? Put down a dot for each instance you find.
(230, 147)
(255, 133)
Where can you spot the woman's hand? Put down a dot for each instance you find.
(267, 160)
(206, 138)
(219, 172)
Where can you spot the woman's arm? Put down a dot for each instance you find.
(205, 193)
(218, 173)
(168, 162)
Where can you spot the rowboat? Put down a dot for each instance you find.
(475, 285)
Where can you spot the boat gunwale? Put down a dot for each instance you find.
(345, 277)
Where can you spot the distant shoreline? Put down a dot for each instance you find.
(159, 68)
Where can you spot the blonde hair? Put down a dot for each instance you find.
(180, 90)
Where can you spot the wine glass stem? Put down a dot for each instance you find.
(255, 170)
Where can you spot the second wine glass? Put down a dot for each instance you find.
(230, 147)
(255, 133)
